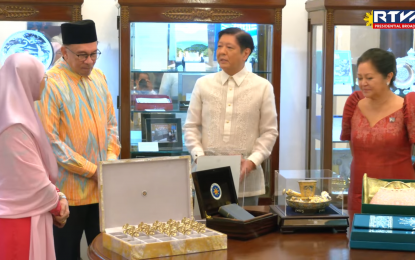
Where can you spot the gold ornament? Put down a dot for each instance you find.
(172, 232)
(150, 231)
(136, 233)
(130, 230)
(156, 224)
(201, 228)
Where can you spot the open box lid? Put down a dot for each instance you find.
(214, 189)
(144, 190)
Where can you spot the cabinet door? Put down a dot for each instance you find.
(315, 98)
(350, 43)
(166, 61)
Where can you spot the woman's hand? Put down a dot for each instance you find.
(60, 220)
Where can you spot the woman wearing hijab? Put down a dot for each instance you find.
(28, 196)
(57, 50)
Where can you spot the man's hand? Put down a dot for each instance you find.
(60, 220)
(246, 167)
(95, 176)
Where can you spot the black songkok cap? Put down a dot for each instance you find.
(79, 32)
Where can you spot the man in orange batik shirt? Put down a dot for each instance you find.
(77, 113)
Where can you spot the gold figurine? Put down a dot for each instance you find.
(171, 228)
(166, 230)
(187, 231)
(172, 232)
(180, 227)
(150, 231)
(160, 228)
(140, 226)
(186, 221)
(188, 226)
(130, 230)
(136, 233)
(175, 224)
(194, 224)
(145, 229)
(156, 224)
(201, 228)
(125, 227)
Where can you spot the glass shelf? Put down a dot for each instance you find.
(191, 71)
(169, 68)
(159, 111)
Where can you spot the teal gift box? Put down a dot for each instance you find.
(369, 189)
(383, 232)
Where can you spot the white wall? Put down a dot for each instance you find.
(293, 86)
(104, 14)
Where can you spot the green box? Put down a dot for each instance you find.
(381, 239)
(387, 209)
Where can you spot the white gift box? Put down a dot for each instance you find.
(145, 190)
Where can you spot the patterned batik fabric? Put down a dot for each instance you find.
(78, 116)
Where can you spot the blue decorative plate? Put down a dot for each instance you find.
(32, 42)
(405, 77)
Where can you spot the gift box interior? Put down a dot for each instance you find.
(383, 232)
(261, 224)
(371, 186)
(150, 190)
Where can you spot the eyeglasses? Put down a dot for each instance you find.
(83, 57)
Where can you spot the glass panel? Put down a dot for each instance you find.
(308, 192)
(166, 61)
(164, 72)
(350, 43)
(45, 46)
(316, 97)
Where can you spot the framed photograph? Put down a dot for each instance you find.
(145, 116)
(167, 132)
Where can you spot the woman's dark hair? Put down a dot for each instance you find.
(243, 38)
(383, 61)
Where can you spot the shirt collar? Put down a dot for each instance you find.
(238, 77)
(62, 64)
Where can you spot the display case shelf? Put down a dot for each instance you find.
(191, 72)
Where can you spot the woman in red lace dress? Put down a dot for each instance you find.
(379, 125)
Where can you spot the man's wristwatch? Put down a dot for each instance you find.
(61, 195)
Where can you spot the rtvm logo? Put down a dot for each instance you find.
(391, 19)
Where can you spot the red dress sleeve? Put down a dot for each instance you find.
(348, 112)
(409, 115)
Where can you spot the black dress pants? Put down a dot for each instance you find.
(68, 238)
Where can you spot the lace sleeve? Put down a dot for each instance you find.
(348, 112)
(409, 115)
